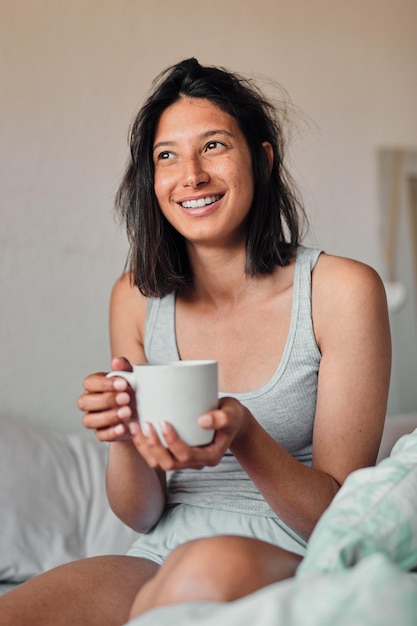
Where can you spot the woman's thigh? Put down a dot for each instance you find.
(95, 591)
(222, 569)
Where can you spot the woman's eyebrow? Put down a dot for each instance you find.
(163, 144)
(217, 131)
(205, 135)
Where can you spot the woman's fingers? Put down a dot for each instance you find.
(227, 421)
(109, 425)
(119, 432)
(214, 420)
(99, 382)
(150, 447)
(121, 363)
(92, 402)
(95, 383)
(178, 455)
(102, 419)
(107, 404)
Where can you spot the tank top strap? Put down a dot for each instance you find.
(306, 262)
(308, 256)
(303, 329)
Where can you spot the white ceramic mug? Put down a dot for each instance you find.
(175, 392)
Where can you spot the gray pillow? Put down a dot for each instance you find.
(53, 504)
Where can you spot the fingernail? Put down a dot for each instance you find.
(164, 427)
(133, 428)
(205, 420)
(122, 398)
(119, 429)
(120, 384)
(146, 429)
(124, 412)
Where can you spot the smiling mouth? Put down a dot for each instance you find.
(202, 202)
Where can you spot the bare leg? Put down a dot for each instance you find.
(219, 569)
(95, 591)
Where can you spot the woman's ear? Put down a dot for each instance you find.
(269, 153)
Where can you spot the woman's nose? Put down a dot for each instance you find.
(194, 173)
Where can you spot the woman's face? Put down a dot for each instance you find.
(203, 172)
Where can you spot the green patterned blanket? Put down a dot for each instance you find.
(358, 565)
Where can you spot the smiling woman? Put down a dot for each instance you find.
(203, 170)
(217, 271)
(158, 259)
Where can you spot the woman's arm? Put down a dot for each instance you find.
(352, 330)
(136, 492)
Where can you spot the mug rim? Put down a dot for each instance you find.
(182, 363)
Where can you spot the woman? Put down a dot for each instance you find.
(217, 271)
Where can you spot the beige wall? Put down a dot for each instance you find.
(73, 72)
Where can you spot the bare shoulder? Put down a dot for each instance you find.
(340, 279)
(331, 267)
(124, 288)
(348, 291)
(125, 294)
(127, 319)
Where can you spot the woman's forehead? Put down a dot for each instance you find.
(194, 115)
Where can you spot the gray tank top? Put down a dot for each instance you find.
(285, 406)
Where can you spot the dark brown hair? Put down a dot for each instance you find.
(158, 258)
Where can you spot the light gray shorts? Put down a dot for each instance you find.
(184, 522)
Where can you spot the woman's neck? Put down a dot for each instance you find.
(220, 279)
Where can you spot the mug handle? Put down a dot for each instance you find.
(129, 376)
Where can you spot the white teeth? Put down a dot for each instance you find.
(194, 204)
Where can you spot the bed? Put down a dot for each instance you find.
(359, 563)
(53, 504)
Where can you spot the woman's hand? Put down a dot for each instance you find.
(230, 421)
(108, 404)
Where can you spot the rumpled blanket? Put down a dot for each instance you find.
(358, 567)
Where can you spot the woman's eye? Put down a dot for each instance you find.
(214, 144)
(163, 156)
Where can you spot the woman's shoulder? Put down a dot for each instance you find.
(344, 274)
(346, 290)
(126, 300)
(124, 287)
(127, 319)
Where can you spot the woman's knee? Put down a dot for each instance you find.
(179, 579)
(207, 569)
(222, 569)
(226, 568)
